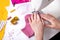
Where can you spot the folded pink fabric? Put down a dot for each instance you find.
(27, 30)
(19, 1)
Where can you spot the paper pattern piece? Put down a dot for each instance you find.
(13, 32)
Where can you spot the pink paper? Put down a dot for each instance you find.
(27, 30)
(19, 1)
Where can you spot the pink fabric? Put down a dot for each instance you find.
(19, 1)
(27, 30)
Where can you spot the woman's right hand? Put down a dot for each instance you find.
(54, 23)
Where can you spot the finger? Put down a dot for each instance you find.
(29, 19)
(32, 17)
(49, 26)
(35, 15)
(46, 17)
(50, 15)
(38, 18)
(42, 21)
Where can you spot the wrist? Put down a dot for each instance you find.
(39, 35)
(58, 25)
(39, 31)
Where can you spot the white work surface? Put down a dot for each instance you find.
(13, 32)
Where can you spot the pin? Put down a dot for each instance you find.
(9, 18)
(12, 10)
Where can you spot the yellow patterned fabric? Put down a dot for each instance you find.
(3, 15)
(4, 3)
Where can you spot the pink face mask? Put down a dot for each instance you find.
(27, 30)
(19, 1)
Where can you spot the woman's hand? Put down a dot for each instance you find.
(36, 25)
(54, 23)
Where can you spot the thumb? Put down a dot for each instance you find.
(49, 25)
